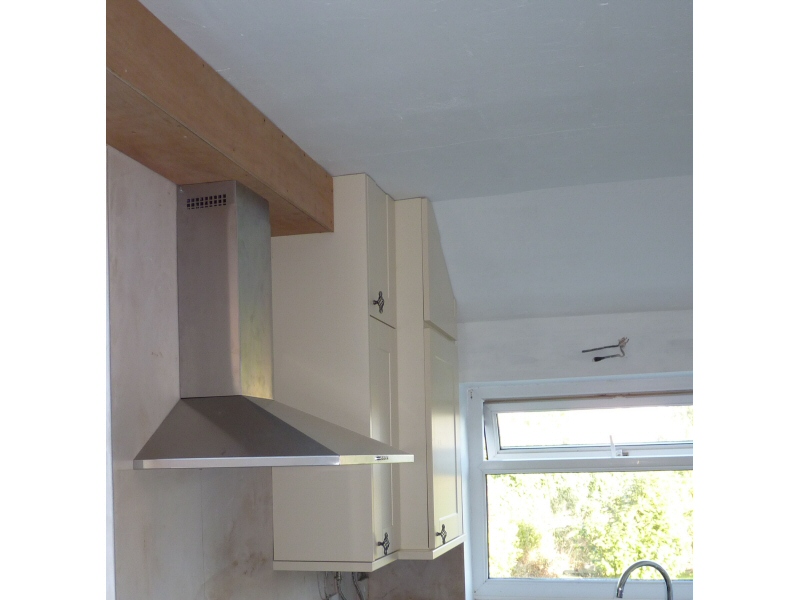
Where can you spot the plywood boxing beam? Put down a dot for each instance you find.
(173, 113)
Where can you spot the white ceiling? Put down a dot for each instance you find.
(553, 136)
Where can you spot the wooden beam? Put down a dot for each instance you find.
(170, 111)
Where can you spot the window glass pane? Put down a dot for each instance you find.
(579, 525)
(592, 426)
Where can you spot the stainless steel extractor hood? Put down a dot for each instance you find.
(227, 416)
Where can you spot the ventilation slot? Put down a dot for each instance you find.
(207, 201)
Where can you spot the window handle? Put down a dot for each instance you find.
(614, 452)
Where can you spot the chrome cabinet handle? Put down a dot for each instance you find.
(380, 302)
(442, 534)
(385, 544)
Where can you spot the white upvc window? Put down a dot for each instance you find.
(570, 481)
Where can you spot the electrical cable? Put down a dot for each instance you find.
(323, 593)
(620, 345)
(358, 589)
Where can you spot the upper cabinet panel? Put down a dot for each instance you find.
(439, 302)
(380, 254)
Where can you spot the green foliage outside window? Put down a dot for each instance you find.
(590, 525)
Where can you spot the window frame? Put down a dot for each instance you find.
(485, 401)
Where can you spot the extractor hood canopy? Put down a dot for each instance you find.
(227, 416)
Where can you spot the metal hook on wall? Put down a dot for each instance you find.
(620, 344)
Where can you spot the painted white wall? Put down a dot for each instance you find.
(178, 534)
(593, 249)
(526, 349)
(110, 579)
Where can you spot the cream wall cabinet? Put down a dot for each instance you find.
(431, 502)
(335, 359)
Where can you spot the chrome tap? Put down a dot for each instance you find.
(644, 563)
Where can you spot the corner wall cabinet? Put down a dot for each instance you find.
(431, 502)
(335, 355)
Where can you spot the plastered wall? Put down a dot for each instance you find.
(526, 349)
(178, 534)
(440, 579)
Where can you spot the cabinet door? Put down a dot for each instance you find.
(442, 380)
(380, 255)
(322, 514)
(383, 424)
(439, 302)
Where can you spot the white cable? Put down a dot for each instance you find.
(323, 593)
